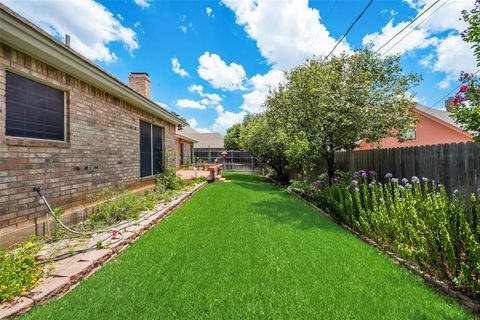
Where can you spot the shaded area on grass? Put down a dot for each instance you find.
(248, 250)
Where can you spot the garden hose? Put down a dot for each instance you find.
(113, 231)
(112, 235)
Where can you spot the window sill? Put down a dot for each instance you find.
(26, 142)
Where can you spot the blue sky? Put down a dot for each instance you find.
(214, 61)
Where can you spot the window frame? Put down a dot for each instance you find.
(66, 100)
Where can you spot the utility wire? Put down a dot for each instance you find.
(408, 25)
(350, 28)
(320, 28)
(418, 25)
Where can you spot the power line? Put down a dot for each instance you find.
(320, 28)
(350, 28)
(418, 25)
(408, 25)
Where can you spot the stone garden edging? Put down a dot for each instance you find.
(70, 271)
(466, 301)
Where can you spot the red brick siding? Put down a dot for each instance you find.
(102, 147)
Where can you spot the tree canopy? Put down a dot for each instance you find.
(328, 106)
(466, 111)
(232, 138)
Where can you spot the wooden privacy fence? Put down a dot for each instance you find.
(455, 165)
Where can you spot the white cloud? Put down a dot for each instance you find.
(418, 39)
(119, 16)
(285, 33)
(177, 68)
(186, 26)
(210, 99)
(194, 124)
(446, 18)
(262, 84)
(213, 97)
(189, 104)
(196, 88)
(163, 105)
(142, 3)
(440, 31)
(136, 24)
(453, 55)
(220, 75)
(209, 12)
(226, 119)
(91, 39)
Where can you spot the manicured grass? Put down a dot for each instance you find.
(248, 250)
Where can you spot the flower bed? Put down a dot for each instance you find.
(415, 218)
(19, 270)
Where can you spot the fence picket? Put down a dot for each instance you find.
(457, 166)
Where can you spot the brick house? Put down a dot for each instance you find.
(70, 127)
(434, 126)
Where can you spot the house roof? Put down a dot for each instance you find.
(19, 33)
(210, 140)
(440, 114)
(183, 136)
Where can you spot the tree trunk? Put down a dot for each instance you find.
(331, 167)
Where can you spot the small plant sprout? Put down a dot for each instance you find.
(98, 245)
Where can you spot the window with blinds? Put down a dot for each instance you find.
(33, 110)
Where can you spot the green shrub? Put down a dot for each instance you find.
(415, 218)
(169, 180)
(18, 270)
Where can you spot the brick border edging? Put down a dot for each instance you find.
(441, 286)
(65, 279)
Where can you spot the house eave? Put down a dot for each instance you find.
(22, 35)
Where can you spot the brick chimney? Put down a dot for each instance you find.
(140, 82)
(449, 104)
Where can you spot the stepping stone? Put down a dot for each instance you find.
(73, 270)
(49, 289)
(96, 257)
(19, 306)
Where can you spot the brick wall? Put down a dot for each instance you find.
(102, 147)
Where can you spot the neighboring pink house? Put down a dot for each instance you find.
(434, 126)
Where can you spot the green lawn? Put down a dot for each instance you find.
(248, 250)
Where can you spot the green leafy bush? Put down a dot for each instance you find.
(18, 270)
(169, 180)
(415, 218)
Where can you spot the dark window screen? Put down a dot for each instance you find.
(182, 160)
(34, 110)
(157, 149)
(145, 149)
(151, 137)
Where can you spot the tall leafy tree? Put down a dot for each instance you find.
(263, 138)
(232, 138)
(466, 111)
(329, 106)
